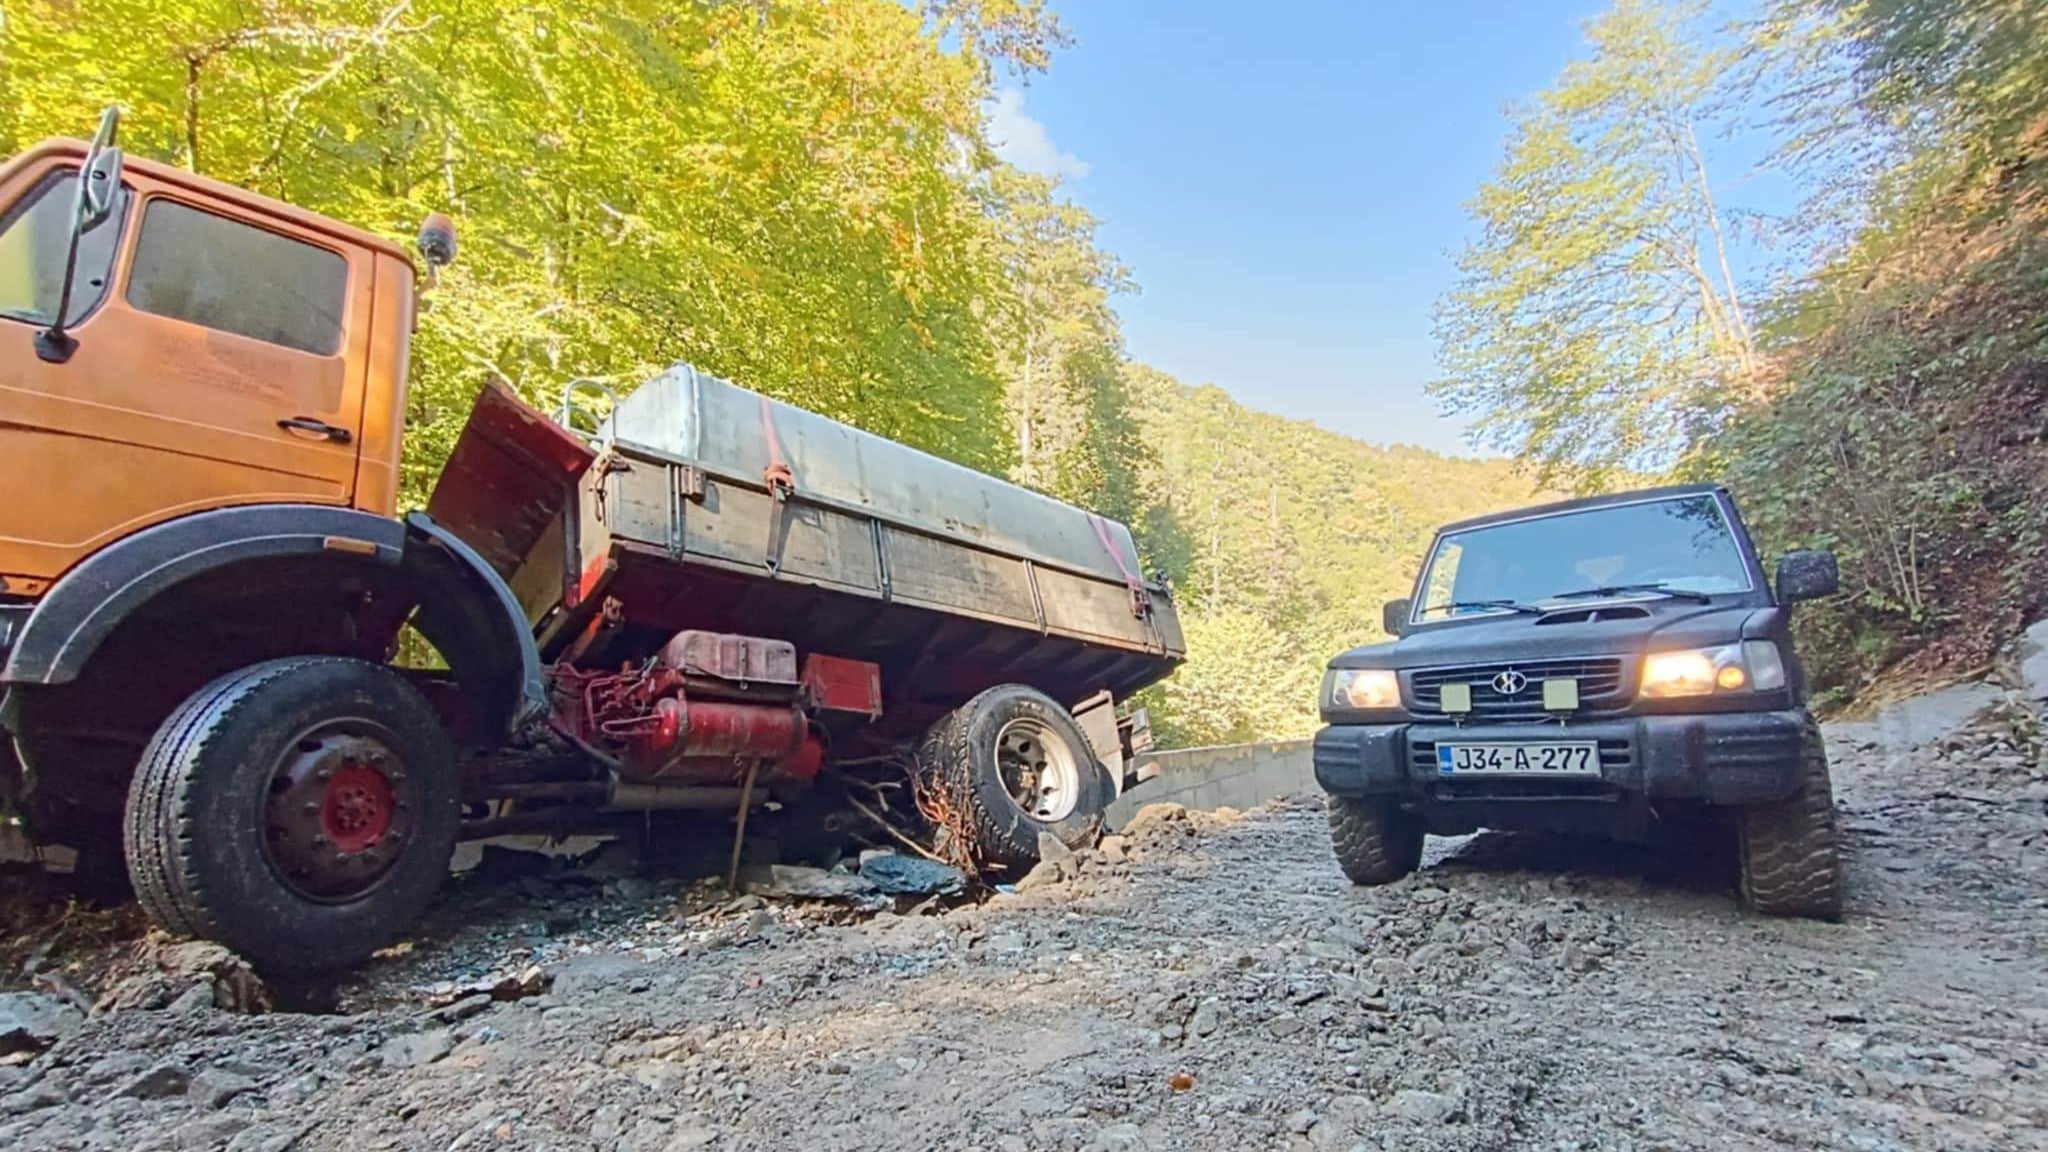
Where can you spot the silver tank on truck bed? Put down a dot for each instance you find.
(963, 526)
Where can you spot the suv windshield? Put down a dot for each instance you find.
(1683, 544)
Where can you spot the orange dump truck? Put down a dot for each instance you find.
(706, 600)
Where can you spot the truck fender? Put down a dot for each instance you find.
(84, 607)
(468, 613)
(465, 608)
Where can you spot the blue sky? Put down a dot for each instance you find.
(1287, 181)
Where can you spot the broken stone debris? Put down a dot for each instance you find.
(416, 1050)
(1313, 1017)
(911, 875)
(31, 1021)
(797, 882)
(878, 877)
(186, 976)
(457, 1001)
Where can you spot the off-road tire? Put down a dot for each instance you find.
(1376, 842)
(1790, 852)
(194, 825)
(958, 758)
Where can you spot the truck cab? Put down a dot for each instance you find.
(199, 449)
(225, 350)
(1605, 665)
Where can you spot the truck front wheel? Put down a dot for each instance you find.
(301, 811)
(1013, 764)
(1791, 856)
(1376, 842)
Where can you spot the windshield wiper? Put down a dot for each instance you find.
(1508, 605)
(1654, 586)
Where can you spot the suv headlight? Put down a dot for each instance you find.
(1751, 666)
(1365, 689)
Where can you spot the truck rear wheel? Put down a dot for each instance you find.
(1017, 764)
(1791, 855)
(301, 811)
(1376, 842)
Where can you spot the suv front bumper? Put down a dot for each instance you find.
(1719, 758)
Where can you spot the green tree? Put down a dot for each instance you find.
(788, 193)
(1065, 395)
(1597, 324)
(1908, 367)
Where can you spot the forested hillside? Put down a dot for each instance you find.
(1866, 364)
(1283, 540)
(800, 196)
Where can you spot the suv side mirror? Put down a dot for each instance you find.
(1807, 576)
(1394, 616)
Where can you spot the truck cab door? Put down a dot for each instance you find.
(221, 360)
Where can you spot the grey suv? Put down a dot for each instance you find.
(1602, 665)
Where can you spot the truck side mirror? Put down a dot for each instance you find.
(437, 240)
(1807, 576)
(1394, 616)
(99, 189)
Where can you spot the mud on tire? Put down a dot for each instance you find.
(962, 758)
(212, 820)
(1789, 850)
(1376, 842)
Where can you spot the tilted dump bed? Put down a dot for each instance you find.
(951, 580)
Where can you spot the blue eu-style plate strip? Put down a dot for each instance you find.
(1443, 760)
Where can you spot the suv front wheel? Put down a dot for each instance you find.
(1376, 842)
(1791, 855)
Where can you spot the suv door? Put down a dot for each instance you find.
(221, 362)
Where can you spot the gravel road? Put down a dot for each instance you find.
(1208, 982)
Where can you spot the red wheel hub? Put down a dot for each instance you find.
(340, 811)
(356, 807)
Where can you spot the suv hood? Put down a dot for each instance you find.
(1608, 628)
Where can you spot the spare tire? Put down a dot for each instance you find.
(1012, 763)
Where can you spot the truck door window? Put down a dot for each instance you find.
(34, 235)
(205, 269)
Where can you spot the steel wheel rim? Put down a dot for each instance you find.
(339, 810)
(1040, 770)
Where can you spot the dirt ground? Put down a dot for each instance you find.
(1210, 982)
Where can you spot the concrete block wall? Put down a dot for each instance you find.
(1226, 776)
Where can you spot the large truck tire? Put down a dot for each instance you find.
(1376, 842)
(301, 812)
(1015, 764)
(1790, 851)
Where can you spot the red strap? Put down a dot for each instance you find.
(777, 475)
(1139, 601)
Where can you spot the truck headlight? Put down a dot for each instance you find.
(1366, 689)
(1751, 666)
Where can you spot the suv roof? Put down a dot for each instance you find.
(1634, 496)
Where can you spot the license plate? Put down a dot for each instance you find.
(1518, 759)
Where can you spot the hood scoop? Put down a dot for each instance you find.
(1594, 615)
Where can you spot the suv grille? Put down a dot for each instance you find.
(1600, 687)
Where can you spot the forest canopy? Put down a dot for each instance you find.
(1865, 367)
(805, 198)
(802, 197)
